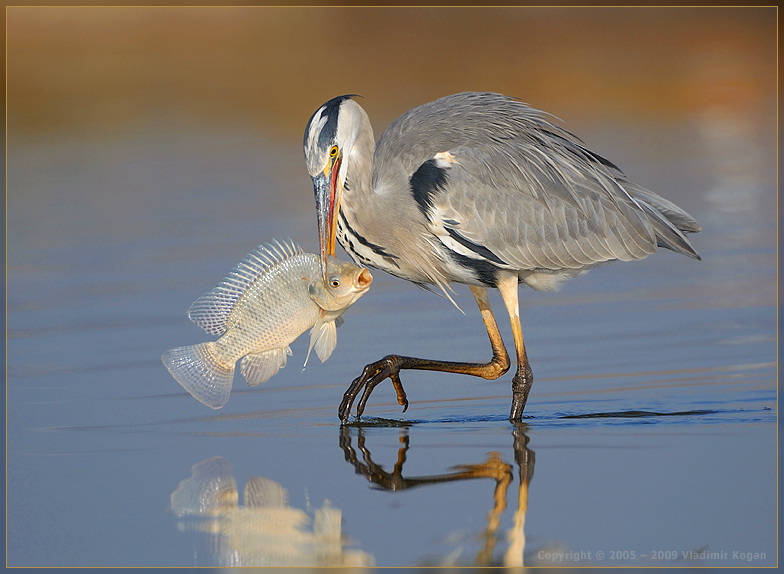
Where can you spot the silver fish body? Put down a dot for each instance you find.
(271, 298)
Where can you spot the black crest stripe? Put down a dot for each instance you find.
(330, 111)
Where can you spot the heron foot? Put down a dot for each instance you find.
(387, 368)
(522, 382)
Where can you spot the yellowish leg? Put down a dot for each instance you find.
(523, 378)
(390, 366)
(500, 361)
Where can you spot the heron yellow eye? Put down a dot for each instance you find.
(334, 282)
(333, 151)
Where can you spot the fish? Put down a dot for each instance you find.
(263, 305)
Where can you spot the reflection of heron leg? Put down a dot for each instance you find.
(494, 467)
(373, 472)
(502, 473)
(524, 457)
(391, 365)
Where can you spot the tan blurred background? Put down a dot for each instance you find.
(107, 69)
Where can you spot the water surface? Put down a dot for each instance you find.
(650, 433)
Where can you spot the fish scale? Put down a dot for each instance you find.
(274, 311)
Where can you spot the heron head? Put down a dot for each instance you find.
(329, 138)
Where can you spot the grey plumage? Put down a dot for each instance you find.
(480, 189)
(524, 188)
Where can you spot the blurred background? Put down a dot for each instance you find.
(150, 148)
(99, 70)
(703, 76)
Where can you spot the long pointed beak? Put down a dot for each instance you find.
(327, 191)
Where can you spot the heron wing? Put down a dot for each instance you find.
(495, 176)
(522, 209)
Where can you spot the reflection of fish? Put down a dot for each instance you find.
(260, 308)
(265, 530)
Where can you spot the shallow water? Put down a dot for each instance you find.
(650, 433)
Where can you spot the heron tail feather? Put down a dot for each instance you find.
(669, 221)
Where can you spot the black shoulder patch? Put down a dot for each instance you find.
(426, 182)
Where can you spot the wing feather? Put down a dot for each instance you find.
(524, 188)
(521, 222)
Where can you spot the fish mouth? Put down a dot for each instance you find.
(364, 279)
(327, 191)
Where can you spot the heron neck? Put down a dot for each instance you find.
(359, 172)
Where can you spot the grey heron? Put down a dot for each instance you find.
(479, 189)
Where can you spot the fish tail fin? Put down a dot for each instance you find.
(199, 372)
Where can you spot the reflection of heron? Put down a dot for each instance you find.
(494, 467)
(477, 189)
(265, 531)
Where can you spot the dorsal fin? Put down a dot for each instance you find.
(211, 311)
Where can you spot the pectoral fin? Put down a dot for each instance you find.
(327, 341)
(323, 338)
(257, 368)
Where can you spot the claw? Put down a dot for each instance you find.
(402, 399)
(372, 375)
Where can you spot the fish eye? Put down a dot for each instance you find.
(334, 282)
(333, 151)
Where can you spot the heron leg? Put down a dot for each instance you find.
(390, 366)
(524, 377)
